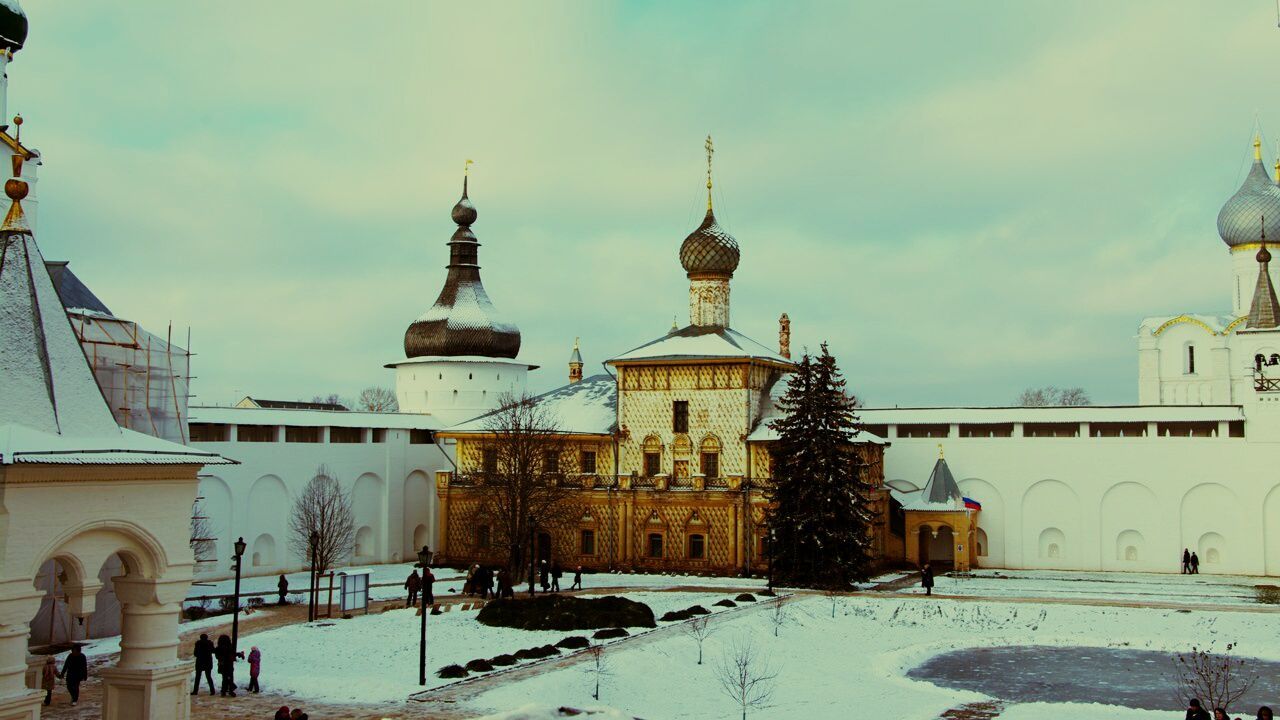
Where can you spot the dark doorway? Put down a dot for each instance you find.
(544, 547)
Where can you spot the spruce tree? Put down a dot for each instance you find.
(822, 516)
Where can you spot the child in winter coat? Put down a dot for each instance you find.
(48, 678)
(255, 664)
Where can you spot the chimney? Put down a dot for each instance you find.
(784, 336)
(575, 364)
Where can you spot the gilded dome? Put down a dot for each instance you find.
(1240, 220)
(710, 249)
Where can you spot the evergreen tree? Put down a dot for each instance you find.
(822, 517)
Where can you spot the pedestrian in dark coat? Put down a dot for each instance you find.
(544, 575)
(484, 581)
(413, 584)
(1220, 714)
(226, 656)
(75, 670)
(1195, 564)
(926, 579)
(282, 713)
(49, 678)
(1195, 712)
(203, 653)
(283, 587)
(556, 573)
(255, 666)
(428, 583)
(1186, 561)
(577, 578)
(1264, 713)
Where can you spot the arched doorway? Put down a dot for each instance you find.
(937, 549)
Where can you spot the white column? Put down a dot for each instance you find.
(17, 701)
(148, 682)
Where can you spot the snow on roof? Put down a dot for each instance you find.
(19, 444)
(764, 433)
(1082, 413)
(75, 295)
(312, 418)
(425, 359)
(587, 407)
(701, 342)
(51, 410)
(1216, 323)
(940, 493)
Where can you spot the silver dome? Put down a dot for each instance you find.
(1240, 220)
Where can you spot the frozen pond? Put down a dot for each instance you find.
(1040, 673)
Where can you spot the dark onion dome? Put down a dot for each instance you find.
(463, 321)
(13, 25)
(1257, 198)
(710, 250)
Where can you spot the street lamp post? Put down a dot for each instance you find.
(424, 559)
(770, 551)
(235, 618)
(312, 607)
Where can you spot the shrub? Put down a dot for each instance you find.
(726, 603)
(479, 665)
(769, 593)
(452, 671)
(574, 642)
(195, 612)
(675, 616)
(535, 653)
(226, 604)
(1267, 594)
(697, 610)
(610, 633)
(746, 597)
(504, 659)
(566, 612)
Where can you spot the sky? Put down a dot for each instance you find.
(963, 200)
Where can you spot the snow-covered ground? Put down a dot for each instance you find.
(1125, 587)
(377, 655)
(392, 575)
(856, 664)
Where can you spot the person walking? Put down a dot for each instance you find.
(577, 578)
(226, 655)
(282, 587)
(413, 584)
(49, 678)
(428, 586)
(544, 575)
(926, 579)
(1195, 564)
(556, 573)
(1194, 711)
(75, 670)
(203, 652)
(255, 666)
(469, 586)
(1186, 561)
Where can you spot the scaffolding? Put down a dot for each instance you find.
(146, 380)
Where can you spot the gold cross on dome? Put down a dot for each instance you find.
(466, 167)
(711, 149)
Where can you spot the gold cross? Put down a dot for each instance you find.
(711, 149)
(466, 167)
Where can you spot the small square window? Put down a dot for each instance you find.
(655, 545)
(551, 461)
(588, 542)
(589, 462)
(680, 416)
(489, 461)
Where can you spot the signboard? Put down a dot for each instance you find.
(354, 590)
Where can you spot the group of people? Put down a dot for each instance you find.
(284, 713)
(205, 652)
(1196, 712)
(549, 577)
(1190, 562)
(424, 584)
(486, 582)
(75, 670)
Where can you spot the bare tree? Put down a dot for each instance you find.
(834, 594)
(778, 613)
(377, 399)
(324, 509)
(519, 481)
(1217, 679)
(1053, 395)
(746, 678)
(330, 399)
(599, 668)
(203, 538)
(699, 629)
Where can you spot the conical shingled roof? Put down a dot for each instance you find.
(1264, 311)
(463, 321)
(940, 493)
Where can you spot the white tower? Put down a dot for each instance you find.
(461, 355)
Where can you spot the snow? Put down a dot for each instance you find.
(859, 659)
(391, 577)
(689, 342)
(1086, 413)
(21, 444)
(587, 407)
(1129, 587)
(539, 712)
(379, 653)
(312, 418)
(13, 6)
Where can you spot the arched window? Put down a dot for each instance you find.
(710, 456)
(484, 537)
(652, 456)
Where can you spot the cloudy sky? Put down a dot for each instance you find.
(963, 199)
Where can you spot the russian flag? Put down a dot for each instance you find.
(971, 504)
